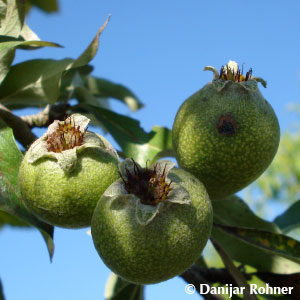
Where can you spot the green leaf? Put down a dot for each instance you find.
(33, 83)
(10, 196)
(280, 183)
(13, 21)
(282, 280)
(134, 141)
(12, 13)
(234, 271)
(37, 82)
(3, 9)
(107, 89)
(273, 243)
(27, 34)
(233, 211)
(72, 78)
(91, 50)
(160, 145)
(14, 44)
(289, 220)
(252, 256)
(7, 219)
(118, 289)
(79, 68)
(48, 6)
(6, 58)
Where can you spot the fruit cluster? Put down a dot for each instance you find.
(151, 223)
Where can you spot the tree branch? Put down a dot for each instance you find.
(46, 117)
(194, 276)
(20, 128)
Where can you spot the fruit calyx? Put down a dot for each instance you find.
(231, 72)
(65, 140)
(234, 73)
(149, 189)
(66, 136)
(148, 184)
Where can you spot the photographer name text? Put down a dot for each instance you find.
(231, 290)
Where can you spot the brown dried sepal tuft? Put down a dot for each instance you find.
(147, 184)
(227, 73)
(66, 136)
(226, 125)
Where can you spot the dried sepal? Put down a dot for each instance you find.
(232, 73)
(146, 213)
(151, 185)
(64, 140)
(150, 188)
(67, 134)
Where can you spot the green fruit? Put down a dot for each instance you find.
(226, 134)
(65, 172)
(152, 224)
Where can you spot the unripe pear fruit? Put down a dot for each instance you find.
(226, 134)
(152, 224)
(65, 172)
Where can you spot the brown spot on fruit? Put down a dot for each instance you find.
(226, 125)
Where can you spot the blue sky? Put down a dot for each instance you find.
(158, 49)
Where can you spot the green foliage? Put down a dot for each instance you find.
(234, 212)
(48, 6)
(281, 182)
(10, 197)
(100, 87)
(13, 43)
(12, 17)
(272, 243)
(12, 13)
(118, 289)
(234, 271)
(33, 83)
(289, 220)
(7, 219)
(134, 141)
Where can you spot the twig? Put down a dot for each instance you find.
(236, 274)
(45, 117)
(194, 276)
(213, 275)
(20, 128)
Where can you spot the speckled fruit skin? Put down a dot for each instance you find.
(67, 200)
(226, 163)
(160, 250)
